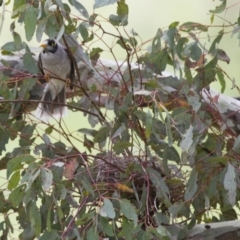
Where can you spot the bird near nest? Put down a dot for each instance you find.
(57, 66)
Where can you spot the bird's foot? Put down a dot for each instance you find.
(68, 82)
(47, 77)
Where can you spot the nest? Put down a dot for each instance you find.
(129, 175)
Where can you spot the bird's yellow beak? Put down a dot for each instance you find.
(43, 45)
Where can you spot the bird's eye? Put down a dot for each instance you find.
(53, 44)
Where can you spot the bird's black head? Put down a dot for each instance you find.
(49, 45)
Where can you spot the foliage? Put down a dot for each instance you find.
(155, 153)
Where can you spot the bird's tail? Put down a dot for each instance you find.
(52, 108)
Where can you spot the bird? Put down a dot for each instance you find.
(57, 66)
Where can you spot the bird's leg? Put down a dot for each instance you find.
(68, 82)
(47, 77)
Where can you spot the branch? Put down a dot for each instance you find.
(109, 73)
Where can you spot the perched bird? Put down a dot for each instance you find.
(58, 69)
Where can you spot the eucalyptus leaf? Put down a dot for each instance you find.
(80, 8)
(230, 184)
(17, 162)
(16, 196)
(47, 178)
(187, 139)
(220, 8)
(30, 63)
(14, 180)
(30, 20)
(191, 185)
(128, 211)
(41, 25)
(107, 209)
(102, 3)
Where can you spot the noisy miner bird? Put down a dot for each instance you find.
(58, 68)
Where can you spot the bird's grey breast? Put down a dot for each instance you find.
(56, 64)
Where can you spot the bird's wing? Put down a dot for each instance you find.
(72, 69)
(40, 63)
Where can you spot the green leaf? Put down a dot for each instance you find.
(107, 209)
(47, 178)
(102, 3)
(79, 7)
(60, 33)
(149, 123)
(221, 80)
(27, 133)
(92, 19)
(50, 235)
(9, 47)
(127, 230)
(61, 6)
(35, 218)
(16, 163)
(205, 75)
(106, 226)
(216, 41)
(125, 43)
(41, 25)
(174, 209)
(95, 54)
(92, 234)
(128, 210)
(87, 186)
(173, 24)
(39, 10)
(192, 50)
(230, 184)
(51, 27)
(115, 20)
(101, 135)
(180, 46)
(23, 94)
(236, 146)
(168, 127)
(120, 146)
(83, 31)
(222, 56)
(221, 160)
(189, 26)
(90, 132)
(121, 19)
(119, 131)
(49, 220)
(89, 39)
(161, 218)
(172, 154)
(18, 6)
(122, 8)
(162, 191)
(30, 20)
(187, 139)
(14, 180)
(156, 43)
(191, 185)
(17, 40)
(220, 8)
(4, 138)
(30, 63)
(168, 36)
(16, 196)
